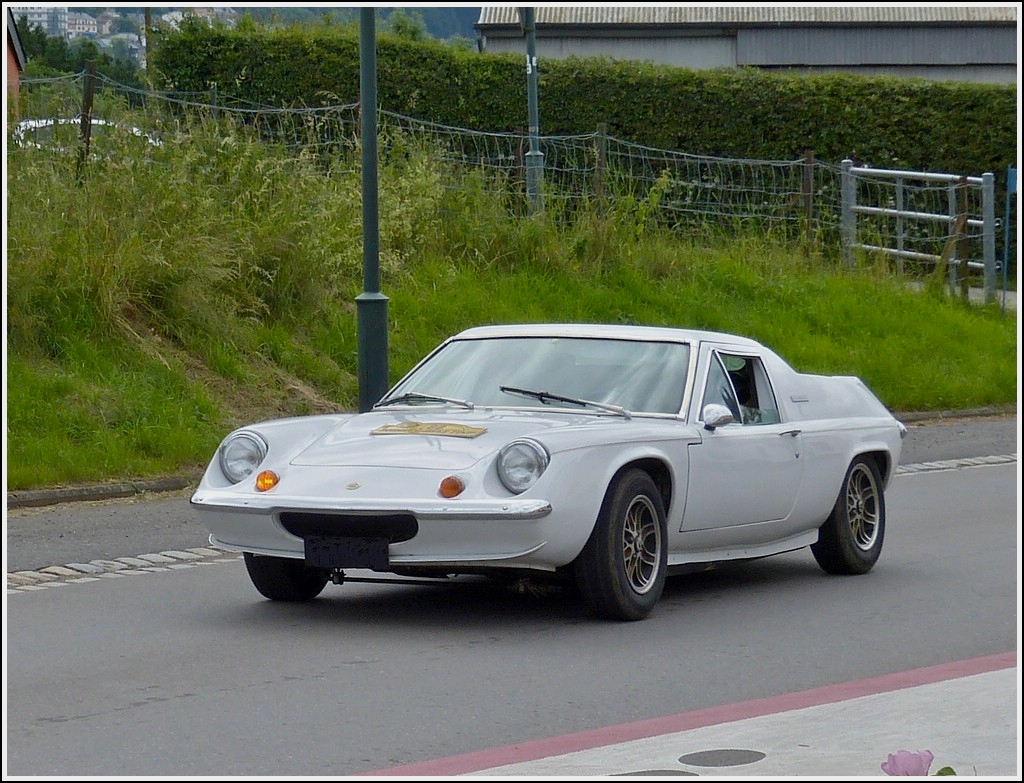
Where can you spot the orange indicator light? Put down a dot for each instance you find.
(267, 479)
(451, 486)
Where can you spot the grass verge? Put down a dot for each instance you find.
(173, 293)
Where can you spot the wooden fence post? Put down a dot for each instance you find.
(807, 189)
(85, 127)
(602, 158)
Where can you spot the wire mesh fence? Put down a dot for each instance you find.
(800, 199)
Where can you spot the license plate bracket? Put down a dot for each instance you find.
(347, 552)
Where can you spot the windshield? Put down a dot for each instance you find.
(635, 375)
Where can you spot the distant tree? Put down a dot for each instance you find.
(34, 40)
(246, 23)
(283, 16)
(462, 43)
(119, 51)
(56, 54)
(122, 24)
(51, 55)
(82, 50)
(406, 24)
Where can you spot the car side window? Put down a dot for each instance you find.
(719, 388)
(756, 400)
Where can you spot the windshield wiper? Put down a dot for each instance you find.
(421, 397)
(544, 396)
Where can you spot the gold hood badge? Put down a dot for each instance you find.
(427, 428)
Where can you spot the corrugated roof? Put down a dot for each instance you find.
(748, 15)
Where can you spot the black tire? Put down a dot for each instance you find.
(851, 539)
(285, 579)
(621, 570)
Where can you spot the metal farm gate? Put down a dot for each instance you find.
(939, 223)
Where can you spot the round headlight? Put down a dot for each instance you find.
(241, 454)
(520, 464)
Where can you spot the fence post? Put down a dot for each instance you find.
(954, 256)
(900, 229)
(848, 220)
(988, 236)
(602, 158)
(808, 194)
(1011, 189)
(85, 128)
(963, 252)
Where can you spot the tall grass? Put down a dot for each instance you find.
(167, 294)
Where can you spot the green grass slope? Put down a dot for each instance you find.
(166, 295)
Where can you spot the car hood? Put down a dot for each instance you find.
(449, 440)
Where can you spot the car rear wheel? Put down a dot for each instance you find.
(285, 579)
(621, 570)
(850, 541)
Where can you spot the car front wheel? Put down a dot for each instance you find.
(850, 541)
(621, 570)
(285, 579)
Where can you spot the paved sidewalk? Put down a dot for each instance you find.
(966, 713)
(1007, 300)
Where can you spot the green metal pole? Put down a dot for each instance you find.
(534, 158)
(371, 305)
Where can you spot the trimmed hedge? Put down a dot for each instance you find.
(915, 124)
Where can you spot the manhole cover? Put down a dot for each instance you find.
(726, 757)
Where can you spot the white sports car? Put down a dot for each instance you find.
(611, 456)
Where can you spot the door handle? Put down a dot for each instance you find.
(793, 433)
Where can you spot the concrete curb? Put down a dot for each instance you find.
(49, 497)
(970, 413)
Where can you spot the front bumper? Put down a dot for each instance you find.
(503, 532)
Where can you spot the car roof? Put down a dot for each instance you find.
(606, 331)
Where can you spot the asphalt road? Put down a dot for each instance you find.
(186, 670)
(82, 531)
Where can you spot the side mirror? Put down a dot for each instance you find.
(716, 415)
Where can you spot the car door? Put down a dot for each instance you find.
(748, 471)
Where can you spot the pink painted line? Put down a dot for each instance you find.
(710, 716)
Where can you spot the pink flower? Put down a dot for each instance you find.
(905, 762)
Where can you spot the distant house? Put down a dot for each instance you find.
(15, 57)
(962, 43)
(105, 22)
(81, 26)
